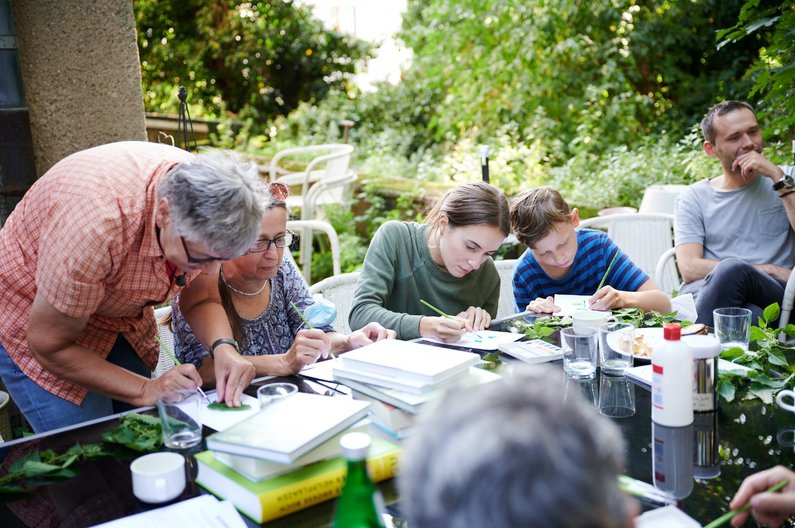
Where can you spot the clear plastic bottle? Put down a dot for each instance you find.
(360, 504)
(672, 380)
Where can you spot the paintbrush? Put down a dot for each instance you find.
(728, 516)
(178, 362)
(308, 324)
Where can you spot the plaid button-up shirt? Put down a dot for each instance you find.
(84, 237)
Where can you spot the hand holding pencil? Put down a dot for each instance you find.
(446, 327)
(757, 496)
(606, 297)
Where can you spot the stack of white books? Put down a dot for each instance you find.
(405, 366)
(399, 378)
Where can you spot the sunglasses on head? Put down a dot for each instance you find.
(279, 191)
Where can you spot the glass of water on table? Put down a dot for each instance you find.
(579, 352)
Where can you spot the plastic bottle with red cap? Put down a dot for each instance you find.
(672, 380)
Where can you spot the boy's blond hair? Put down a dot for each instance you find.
(534, 214)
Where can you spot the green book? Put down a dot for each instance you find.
(270, 499)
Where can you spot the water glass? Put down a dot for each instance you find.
(272, 392)
(179, 418)
(616, 343)
(579, 352)
(616, 397)
(732, 327)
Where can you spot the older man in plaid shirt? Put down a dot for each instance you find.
(100, 238)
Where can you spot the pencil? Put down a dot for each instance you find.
(177, 362)
(728, 516)
(435, 309)
(609, 267)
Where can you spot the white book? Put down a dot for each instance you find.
(389, 381)
(408, 360)
(571, 304)
(289, 428)
(413, 402)
(257, 469)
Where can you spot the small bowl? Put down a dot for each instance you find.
(272, 392)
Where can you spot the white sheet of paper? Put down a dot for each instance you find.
(685, 307)
(569, 304)
(320, 370)
(480, 340)
(221, 420)
(204, 511)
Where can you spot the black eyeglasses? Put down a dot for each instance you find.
(202, 260)
(260, 246)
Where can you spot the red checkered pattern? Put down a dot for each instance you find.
(84, 236)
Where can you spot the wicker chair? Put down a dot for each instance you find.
(339, 290)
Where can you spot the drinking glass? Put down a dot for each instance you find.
(273, 392)
(616, 343)
(616, 397)
(579, 352)
(732, 327)
(179, 418)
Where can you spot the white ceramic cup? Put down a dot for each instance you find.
(590, 319)
(786, 393)
(158, 477)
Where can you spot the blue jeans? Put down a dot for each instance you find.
(45, 411)
(734, 283)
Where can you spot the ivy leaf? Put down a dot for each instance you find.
(726, 389)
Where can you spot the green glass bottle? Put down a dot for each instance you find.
(360, 503)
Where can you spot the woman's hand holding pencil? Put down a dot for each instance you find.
(445, 327)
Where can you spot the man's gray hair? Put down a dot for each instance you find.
(215, 198)
(514, 453)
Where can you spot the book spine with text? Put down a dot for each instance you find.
(273, 498)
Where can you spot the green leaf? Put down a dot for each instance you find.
(732, 353)
(762, 392)
(776, 357)
(218, 406)
(757, 333)
(36, 469)
(772, 312)
(726, 389)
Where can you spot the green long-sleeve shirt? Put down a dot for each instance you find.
(399, 271)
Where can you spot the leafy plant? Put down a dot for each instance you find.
(650, 319)
(772, 363)
(139, 432)
(38, 468)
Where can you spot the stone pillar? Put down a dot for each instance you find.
(17, 172)
(81, 75)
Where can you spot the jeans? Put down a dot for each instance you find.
(734, 283)
(45, 411)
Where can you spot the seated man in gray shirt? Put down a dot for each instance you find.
(735, 244)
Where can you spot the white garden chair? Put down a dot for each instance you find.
(644, 237)
(325, 180)
(506, 304)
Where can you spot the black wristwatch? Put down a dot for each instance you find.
(786, 181)
(223, 341)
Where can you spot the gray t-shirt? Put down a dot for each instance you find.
(749, 223)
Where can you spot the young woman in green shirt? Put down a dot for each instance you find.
(447, 262)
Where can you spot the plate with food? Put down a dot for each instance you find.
(645, 339)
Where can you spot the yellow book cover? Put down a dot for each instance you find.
(272, 498)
